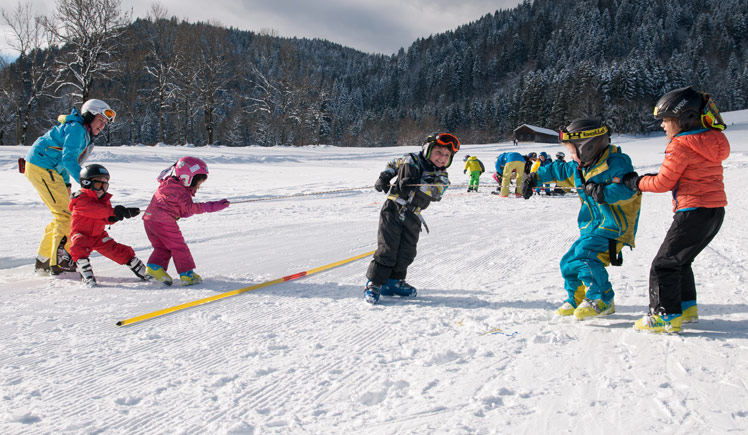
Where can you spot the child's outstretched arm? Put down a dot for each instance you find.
(213, 206)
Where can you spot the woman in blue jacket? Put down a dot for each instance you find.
(52, 162)
(607, 219)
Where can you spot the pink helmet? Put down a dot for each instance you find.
(187, 167)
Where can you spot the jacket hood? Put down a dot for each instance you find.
(710, 144)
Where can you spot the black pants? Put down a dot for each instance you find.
(671, 278)
(396, 244)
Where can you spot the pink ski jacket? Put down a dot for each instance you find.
(172, 200)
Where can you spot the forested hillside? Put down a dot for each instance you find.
(542, 63)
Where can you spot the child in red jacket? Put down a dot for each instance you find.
(91, 213)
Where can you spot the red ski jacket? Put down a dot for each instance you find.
(90, 213)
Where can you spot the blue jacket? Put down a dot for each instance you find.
(618, 217)
(505, 158)
(63, 148)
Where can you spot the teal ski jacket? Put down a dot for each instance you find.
(63, 148)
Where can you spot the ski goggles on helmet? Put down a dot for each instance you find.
(99, 185)
(109, 114)
(566, 136)
(711, 117)
(447, 140)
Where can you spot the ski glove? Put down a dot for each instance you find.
(595, 191)
(631, 180)
(528, 184)
(383, 182)
(122, 212)
(211, 206)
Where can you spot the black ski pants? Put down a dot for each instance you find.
(396, 244)
(671, 278)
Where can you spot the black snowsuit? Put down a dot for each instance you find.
(399, 220)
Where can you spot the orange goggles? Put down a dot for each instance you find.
(448, 140)
(711, 118)
(109, 114)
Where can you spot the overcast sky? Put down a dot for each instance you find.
(373, 26)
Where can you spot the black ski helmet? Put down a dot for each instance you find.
(91, 171)
(560, 155)
(589, 136)
(443, 139)
(685, 104)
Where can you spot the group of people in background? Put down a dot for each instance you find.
(79, 219)
(610, 192)
(600, 173)
(508, 168)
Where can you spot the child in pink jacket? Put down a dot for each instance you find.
(173, 200)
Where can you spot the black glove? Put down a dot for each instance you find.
(595, 191)
(464, 171)
(528, 184)
(383, 182)
(631, 180)
(122, 212)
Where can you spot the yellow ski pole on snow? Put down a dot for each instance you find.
(158, 313)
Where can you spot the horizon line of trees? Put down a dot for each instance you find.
(543, 63)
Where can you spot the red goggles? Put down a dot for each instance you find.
(448, 140)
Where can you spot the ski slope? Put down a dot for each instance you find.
(478, 351)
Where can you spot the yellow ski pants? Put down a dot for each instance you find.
(506, 178)
(56, 196)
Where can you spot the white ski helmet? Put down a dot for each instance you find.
(187, 167)
(97, 107)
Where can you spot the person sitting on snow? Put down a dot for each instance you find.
(421, 179)
(607, 219)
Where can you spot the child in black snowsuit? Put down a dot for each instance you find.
(421, 179)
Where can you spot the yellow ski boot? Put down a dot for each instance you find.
(158, 274)
(593, 308)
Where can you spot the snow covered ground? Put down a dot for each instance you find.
(478, 351)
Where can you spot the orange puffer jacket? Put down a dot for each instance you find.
(692, 169)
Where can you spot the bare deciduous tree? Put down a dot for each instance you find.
(33, 76)
(90, 32)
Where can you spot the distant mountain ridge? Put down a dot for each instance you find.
(541, 63)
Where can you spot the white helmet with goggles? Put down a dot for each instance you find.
(94, 107)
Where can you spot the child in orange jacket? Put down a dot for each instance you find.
(692, 170)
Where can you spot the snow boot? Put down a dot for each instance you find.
(690, 311)
(65, 262)
(190, 277)
(371, 292)
(158, 274)
(138, 268)
(566, 309)
(41, 267)
(86, 272)
(667, 323)
(400, 288)
(593, 308)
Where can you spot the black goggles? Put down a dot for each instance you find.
(99, 185)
